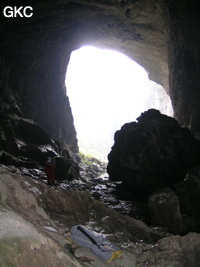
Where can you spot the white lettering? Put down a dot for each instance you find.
(21, 11)
(31, 13)
(8, 12)
(17, 11)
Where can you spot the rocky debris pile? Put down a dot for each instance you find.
(155, 208)
(99, 189)
(153, 153)
(92, 169)
(106, 192)
(165, 210)
(177, 210)
(67, 169)
(24, 144)
(154, 158)
(94, 179)
(188, 193)
(35, 219)
(171, 211)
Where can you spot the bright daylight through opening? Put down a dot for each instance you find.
(107, 89)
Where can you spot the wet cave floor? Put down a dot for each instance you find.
(101, 189)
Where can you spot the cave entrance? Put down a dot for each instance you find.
(107, 89)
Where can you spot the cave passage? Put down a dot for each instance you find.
(107, 89)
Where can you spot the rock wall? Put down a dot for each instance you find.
(35, 53)
(33, 68)
(184, 61)
(162, 36)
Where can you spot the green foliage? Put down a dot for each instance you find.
(88, 159)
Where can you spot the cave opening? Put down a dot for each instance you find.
(107, 89)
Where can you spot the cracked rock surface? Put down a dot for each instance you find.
(35, 219)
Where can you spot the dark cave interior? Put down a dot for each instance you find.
(36, 118)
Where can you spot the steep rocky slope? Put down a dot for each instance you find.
(36, 218)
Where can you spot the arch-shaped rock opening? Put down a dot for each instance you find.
(136, 29)
(107, 89)
(163, 36)
(146, 31)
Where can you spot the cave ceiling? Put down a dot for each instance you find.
(135, 28)
(161, 36)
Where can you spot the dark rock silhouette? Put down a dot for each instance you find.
(152, 153)
(165, 210)
(164, 38)
(188, 193)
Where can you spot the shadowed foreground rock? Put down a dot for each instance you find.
(152, 153)
(188, 193)
(35, 219)
(165, 210)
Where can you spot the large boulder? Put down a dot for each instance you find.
(165, 210)
(23, 142)
(189, 194)
(179, 251)
(152, 153)
(67, 169)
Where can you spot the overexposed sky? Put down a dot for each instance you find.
(106, 89)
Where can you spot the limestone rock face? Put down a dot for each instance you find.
(21, 244)
(35, 52)
(23, 142)
(36, 123)
(184, 61)
(176, 245)
(189, 192)
(152, 153)
(35, 219)
(165, 210)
